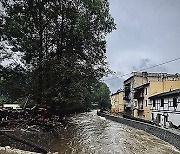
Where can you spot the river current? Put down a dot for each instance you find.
(88, 133)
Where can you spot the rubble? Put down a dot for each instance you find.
(35, 120)
(9, 150)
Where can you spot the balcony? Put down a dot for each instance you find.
(127, 105)
(138, 95)
(126, 98)
(141, 97)
(127, 88)
(140, 108)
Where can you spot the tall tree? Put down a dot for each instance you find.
(12, 83)
(62, 43)
(102, 96)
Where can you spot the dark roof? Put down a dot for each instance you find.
(165, 94)
(151, 74)
(117, 92)
(128, 78)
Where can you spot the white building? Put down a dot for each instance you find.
(165, 108)
(12, 106)
(140, 78)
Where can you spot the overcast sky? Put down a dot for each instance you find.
(148, 33)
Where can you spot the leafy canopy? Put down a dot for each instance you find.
(63, 47)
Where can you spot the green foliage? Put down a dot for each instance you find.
(102, 96)
(3, 100)
(12, 83)
(63, 47)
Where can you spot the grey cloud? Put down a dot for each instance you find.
(148, 33)
(115, 84)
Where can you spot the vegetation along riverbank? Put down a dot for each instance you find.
(52, 60)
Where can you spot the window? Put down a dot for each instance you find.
(146, 103)
(154, 103)
(158, 118)
(116, 98)
(165, 119)
(135, 103)
(145, 91)
(162, 102)
(152, 114)
(174, 102)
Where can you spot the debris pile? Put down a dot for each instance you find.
(35, 119)
(9, 150)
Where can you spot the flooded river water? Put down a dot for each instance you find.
(88, 133)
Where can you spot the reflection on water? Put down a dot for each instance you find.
(88, 133)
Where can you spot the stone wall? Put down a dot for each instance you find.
(167, 135)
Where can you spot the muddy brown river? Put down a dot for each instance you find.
(88, 133)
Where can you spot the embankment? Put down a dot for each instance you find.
(170, 136)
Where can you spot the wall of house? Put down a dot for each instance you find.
(145, 112)
(160, 87)
(136, 113)
(135, 81)
(129, 82)
(121, 104)
(160, 82)
(114, 103)
(146, 102)
(174, 118)
(172, 113)
(167, 85)
(157, 87)
(138, 80)
(117, 102)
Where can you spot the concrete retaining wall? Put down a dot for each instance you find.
(167, 135)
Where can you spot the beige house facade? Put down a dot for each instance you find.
(142, 107)
(140, 78)
(117, 104)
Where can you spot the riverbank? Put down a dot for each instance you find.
(9, 150)
(32, 142)
(170, 136)
(31, 130)
(89, 133)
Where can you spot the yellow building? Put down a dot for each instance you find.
(138, 79)
(117, 102)
(142, 93)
